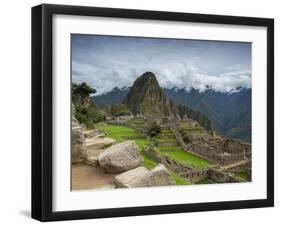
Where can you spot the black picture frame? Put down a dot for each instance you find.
(42, 111)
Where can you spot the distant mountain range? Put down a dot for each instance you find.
(229, 113)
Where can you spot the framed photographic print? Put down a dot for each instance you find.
(145, 112)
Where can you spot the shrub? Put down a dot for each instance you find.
(187, 138)
(119, 110)
(95, 114)
(153, 129)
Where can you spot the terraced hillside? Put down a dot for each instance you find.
(166, 144)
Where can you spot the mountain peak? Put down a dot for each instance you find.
(147, 97)
(148, 78)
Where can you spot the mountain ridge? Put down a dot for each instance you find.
(229, 112)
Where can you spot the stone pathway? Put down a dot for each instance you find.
(88, 177)
(227, 167)
(85, 177)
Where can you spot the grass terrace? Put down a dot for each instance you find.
(206, 181)
(184, 157)
(243, 174)
(175, 152)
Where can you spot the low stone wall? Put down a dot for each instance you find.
(167, 144)
(196, 175)
(244, 166)
(221, 177)
(168, 162)
(233, 146)
(213, 156)
(118, 123)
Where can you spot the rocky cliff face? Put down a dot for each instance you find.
(147, 97)
(78, 145)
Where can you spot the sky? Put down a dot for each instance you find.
(105, 62)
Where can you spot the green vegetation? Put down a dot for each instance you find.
(186, 158)
(206, 181)
(243, 174)
(118, 110)
(148, 162)
(196, 115)
(117, 132)
(153, 129)
(178, 179)
(83, 90)
(85, 110)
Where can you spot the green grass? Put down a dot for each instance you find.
(206, 181)
(148, 162)
(243, 174)
(142, 142)
(166, 131)
(166, 140)
(173, 148)
(178, 179)
(187, 158)
(116, 132)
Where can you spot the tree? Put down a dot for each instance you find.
(119, 110)
(153, 129)
(85, 110)
(82, 89)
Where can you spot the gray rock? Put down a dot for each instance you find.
(160, 176)
(91, 161)
(138, 177)
(96, 143)
(120, 157)
(93, 133)
(78, 145)
(142, 177)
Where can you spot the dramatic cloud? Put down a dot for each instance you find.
(107, 61)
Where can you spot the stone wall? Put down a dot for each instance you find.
(230, 151)
(212, 155)
(168, 162)
(196, 175)
(233, 146)
(186, 172)
(244, 166)
(222, 177)
(167, 144)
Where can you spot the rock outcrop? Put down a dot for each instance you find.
(142, 177)
(120, 157)
(78, 145)
(93, 133)
(99, 143)
(138, 177)
(147, 97)
(160, 176)
(91, 161)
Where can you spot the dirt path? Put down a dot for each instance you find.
(89, 177)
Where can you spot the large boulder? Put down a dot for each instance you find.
(142, 177)
(78, 145)
(120, 157)
(160, 176)
(96, 143)
(93, 133)
(138, 177)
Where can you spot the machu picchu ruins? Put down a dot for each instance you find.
(148, 140)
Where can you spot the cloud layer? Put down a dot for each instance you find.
(107, 61)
